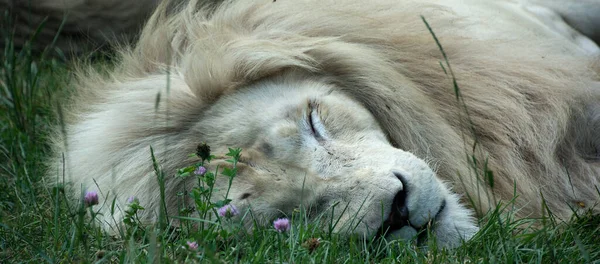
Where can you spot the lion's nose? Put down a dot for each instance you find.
(399, 214)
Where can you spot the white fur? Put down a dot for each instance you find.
(244, 75)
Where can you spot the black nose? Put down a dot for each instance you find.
(399, 214)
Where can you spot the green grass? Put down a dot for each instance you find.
(39, 224)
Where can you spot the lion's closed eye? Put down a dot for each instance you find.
(314, 121)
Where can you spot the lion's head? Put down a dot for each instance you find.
(308, 143)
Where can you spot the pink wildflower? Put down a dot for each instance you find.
(228, 211)
(192, 245)
(200, 171)
(281, 225)
(90, 198)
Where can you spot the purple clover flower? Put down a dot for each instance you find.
(131, 199)
(193, 245)
(90, 198)
(201, 170)
(281, 225)
(228, 211)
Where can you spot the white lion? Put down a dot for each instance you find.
(349, 106)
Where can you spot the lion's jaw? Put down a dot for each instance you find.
(306, 143)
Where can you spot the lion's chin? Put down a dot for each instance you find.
(405, 233)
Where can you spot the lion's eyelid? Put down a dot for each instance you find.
(314, 121)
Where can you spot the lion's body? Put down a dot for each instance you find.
(529, 102)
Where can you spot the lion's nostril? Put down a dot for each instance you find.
(403, 212)
(399, 209)
(400, 212)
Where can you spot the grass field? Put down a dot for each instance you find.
(38, 223)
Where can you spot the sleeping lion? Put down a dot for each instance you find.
(388, 115)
